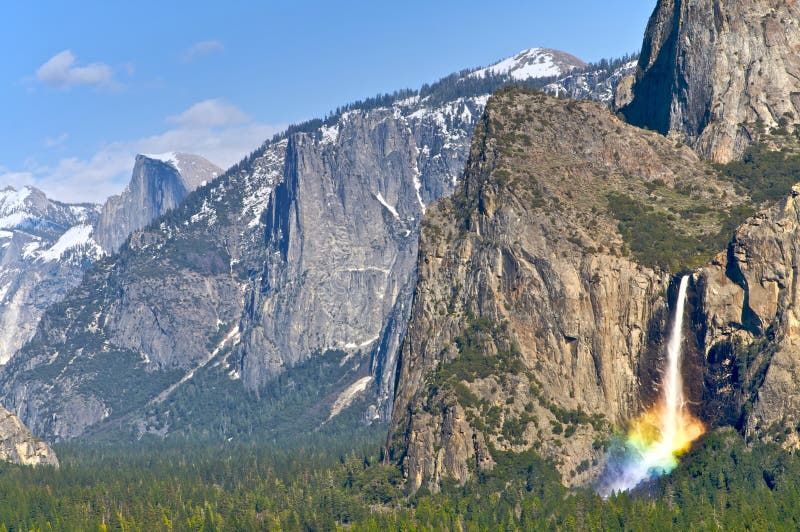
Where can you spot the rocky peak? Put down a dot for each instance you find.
(193, 169)
(31, 209)
(159, 183)
(717, 75)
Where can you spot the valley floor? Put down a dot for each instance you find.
(723, 485)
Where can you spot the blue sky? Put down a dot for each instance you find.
(86, 85)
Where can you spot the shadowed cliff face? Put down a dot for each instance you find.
(531, 326)
(718, 75)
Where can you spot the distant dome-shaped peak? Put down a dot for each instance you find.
(533, 63)
(193, 169)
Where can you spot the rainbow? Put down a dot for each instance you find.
(658, 437)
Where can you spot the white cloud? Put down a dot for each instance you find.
(210, 113)
(202, 48)
(60, 71)
(93, 179)
(15, 179)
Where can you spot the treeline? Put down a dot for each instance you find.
(723, 485)
(452, 87)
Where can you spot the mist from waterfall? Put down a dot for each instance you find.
(659, 436)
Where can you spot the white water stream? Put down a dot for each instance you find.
(673, 382)
(660, 435)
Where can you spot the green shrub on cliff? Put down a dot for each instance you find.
(765, 175)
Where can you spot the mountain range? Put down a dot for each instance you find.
(304, 251)
(486, 264)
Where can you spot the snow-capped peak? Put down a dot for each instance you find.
(12, 200)
(15, 206)
(533, 63)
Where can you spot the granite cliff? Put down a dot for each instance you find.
(747, 325)
(46, 246)
(718, 75)
(548, 319)
(159, 183)
(550, 281)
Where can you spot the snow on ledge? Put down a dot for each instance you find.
(391, 209)
(76, 236)
(170, 158)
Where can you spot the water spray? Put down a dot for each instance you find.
(659, 436)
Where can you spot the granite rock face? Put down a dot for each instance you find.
(341, 237)
(46, 246)
(148, 315)
(159, 183)
(307, 247)
(253, 280)
(748, 319)
(721, 76)
(717, 75)
(19, 446)
(528, 316)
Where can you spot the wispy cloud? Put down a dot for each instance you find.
(53, 142)
(61, 71)
(200, 49)
(210, 113)
(94, 178)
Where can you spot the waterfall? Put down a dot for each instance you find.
(660, 435)
(673, 382)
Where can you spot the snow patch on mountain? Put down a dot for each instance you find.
(11, 199)
(532, 64)
(14, 208)
(80, 235)
(170, 158)
(267, 171)
(330, 133)
(383, 202)
(599, 85)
